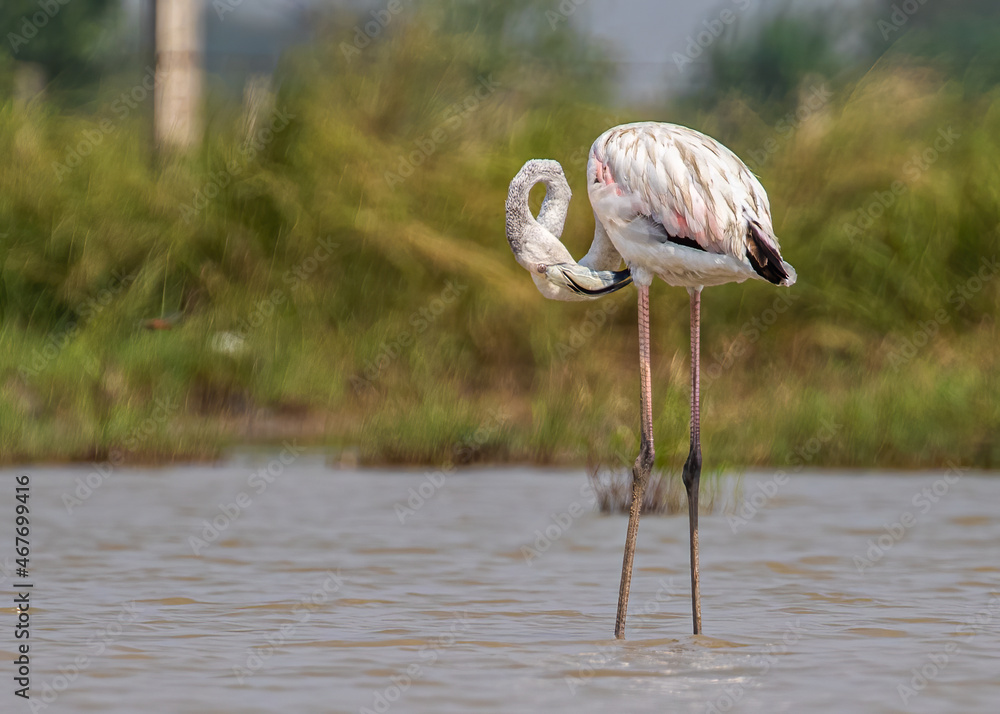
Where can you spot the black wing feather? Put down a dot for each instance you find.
(763, 257)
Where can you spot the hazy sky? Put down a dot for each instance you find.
(642, 34)
(645, 34)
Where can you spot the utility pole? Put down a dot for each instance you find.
(177, 111)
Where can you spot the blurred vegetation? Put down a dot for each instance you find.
(769, 63)
(65, 38)
(344, 280)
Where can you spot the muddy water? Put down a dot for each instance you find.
(313, 590)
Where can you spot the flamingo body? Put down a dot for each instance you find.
(680, 205)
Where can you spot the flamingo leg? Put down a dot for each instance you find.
(692, 467)
(643, 463)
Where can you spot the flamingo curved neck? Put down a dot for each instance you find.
(555, 206)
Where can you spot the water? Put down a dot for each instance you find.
(314, 597)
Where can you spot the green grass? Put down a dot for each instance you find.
(370, 350)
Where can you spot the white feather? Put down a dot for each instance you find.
(689, 185)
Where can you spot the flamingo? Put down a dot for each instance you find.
(672, 203)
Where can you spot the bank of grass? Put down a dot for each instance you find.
(363, 349)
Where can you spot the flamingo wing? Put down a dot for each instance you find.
(673, 184)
